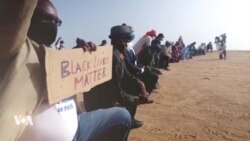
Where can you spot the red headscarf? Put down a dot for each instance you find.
(151, 33)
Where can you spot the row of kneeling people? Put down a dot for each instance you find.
(111, 106)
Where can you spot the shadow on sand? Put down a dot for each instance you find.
(208, 60)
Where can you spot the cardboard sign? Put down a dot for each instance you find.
(73, 71)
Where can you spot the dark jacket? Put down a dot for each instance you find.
(156, 44)
(130, 60)
(120, 89)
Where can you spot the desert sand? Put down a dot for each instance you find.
(202, 99)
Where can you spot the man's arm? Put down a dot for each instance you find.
(130, 65)
(148, 41)
(117, 73)
(15, 17)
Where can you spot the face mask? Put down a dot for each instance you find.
(43, 33)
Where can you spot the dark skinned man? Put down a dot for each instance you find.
(123, 89)
(22, 82)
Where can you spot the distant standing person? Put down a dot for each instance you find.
(221, 47)
(223, 44)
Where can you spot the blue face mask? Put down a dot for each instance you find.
(132, 36)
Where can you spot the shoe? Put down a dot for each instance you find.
(145, 100)
(144, 95)
(136, 124)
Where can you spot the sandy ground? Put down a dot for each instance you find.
(202, 99)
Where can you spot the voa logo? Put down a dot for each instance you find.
(23, 120)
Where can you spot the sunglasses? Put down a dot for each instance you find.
(47, 18)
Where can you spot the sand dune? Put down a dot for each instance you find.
(201, 99)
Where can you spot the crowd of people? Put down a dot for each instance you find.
(110, 107)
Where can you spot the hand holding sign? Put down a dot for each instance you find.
(86, 46)
(72, 71)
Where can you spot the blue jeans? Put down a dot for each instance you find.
(111, 124)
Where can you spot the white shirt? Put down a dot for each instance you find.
(53, 123)
(143, 42)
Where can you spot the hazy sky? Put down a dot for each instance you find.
(195, 20)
